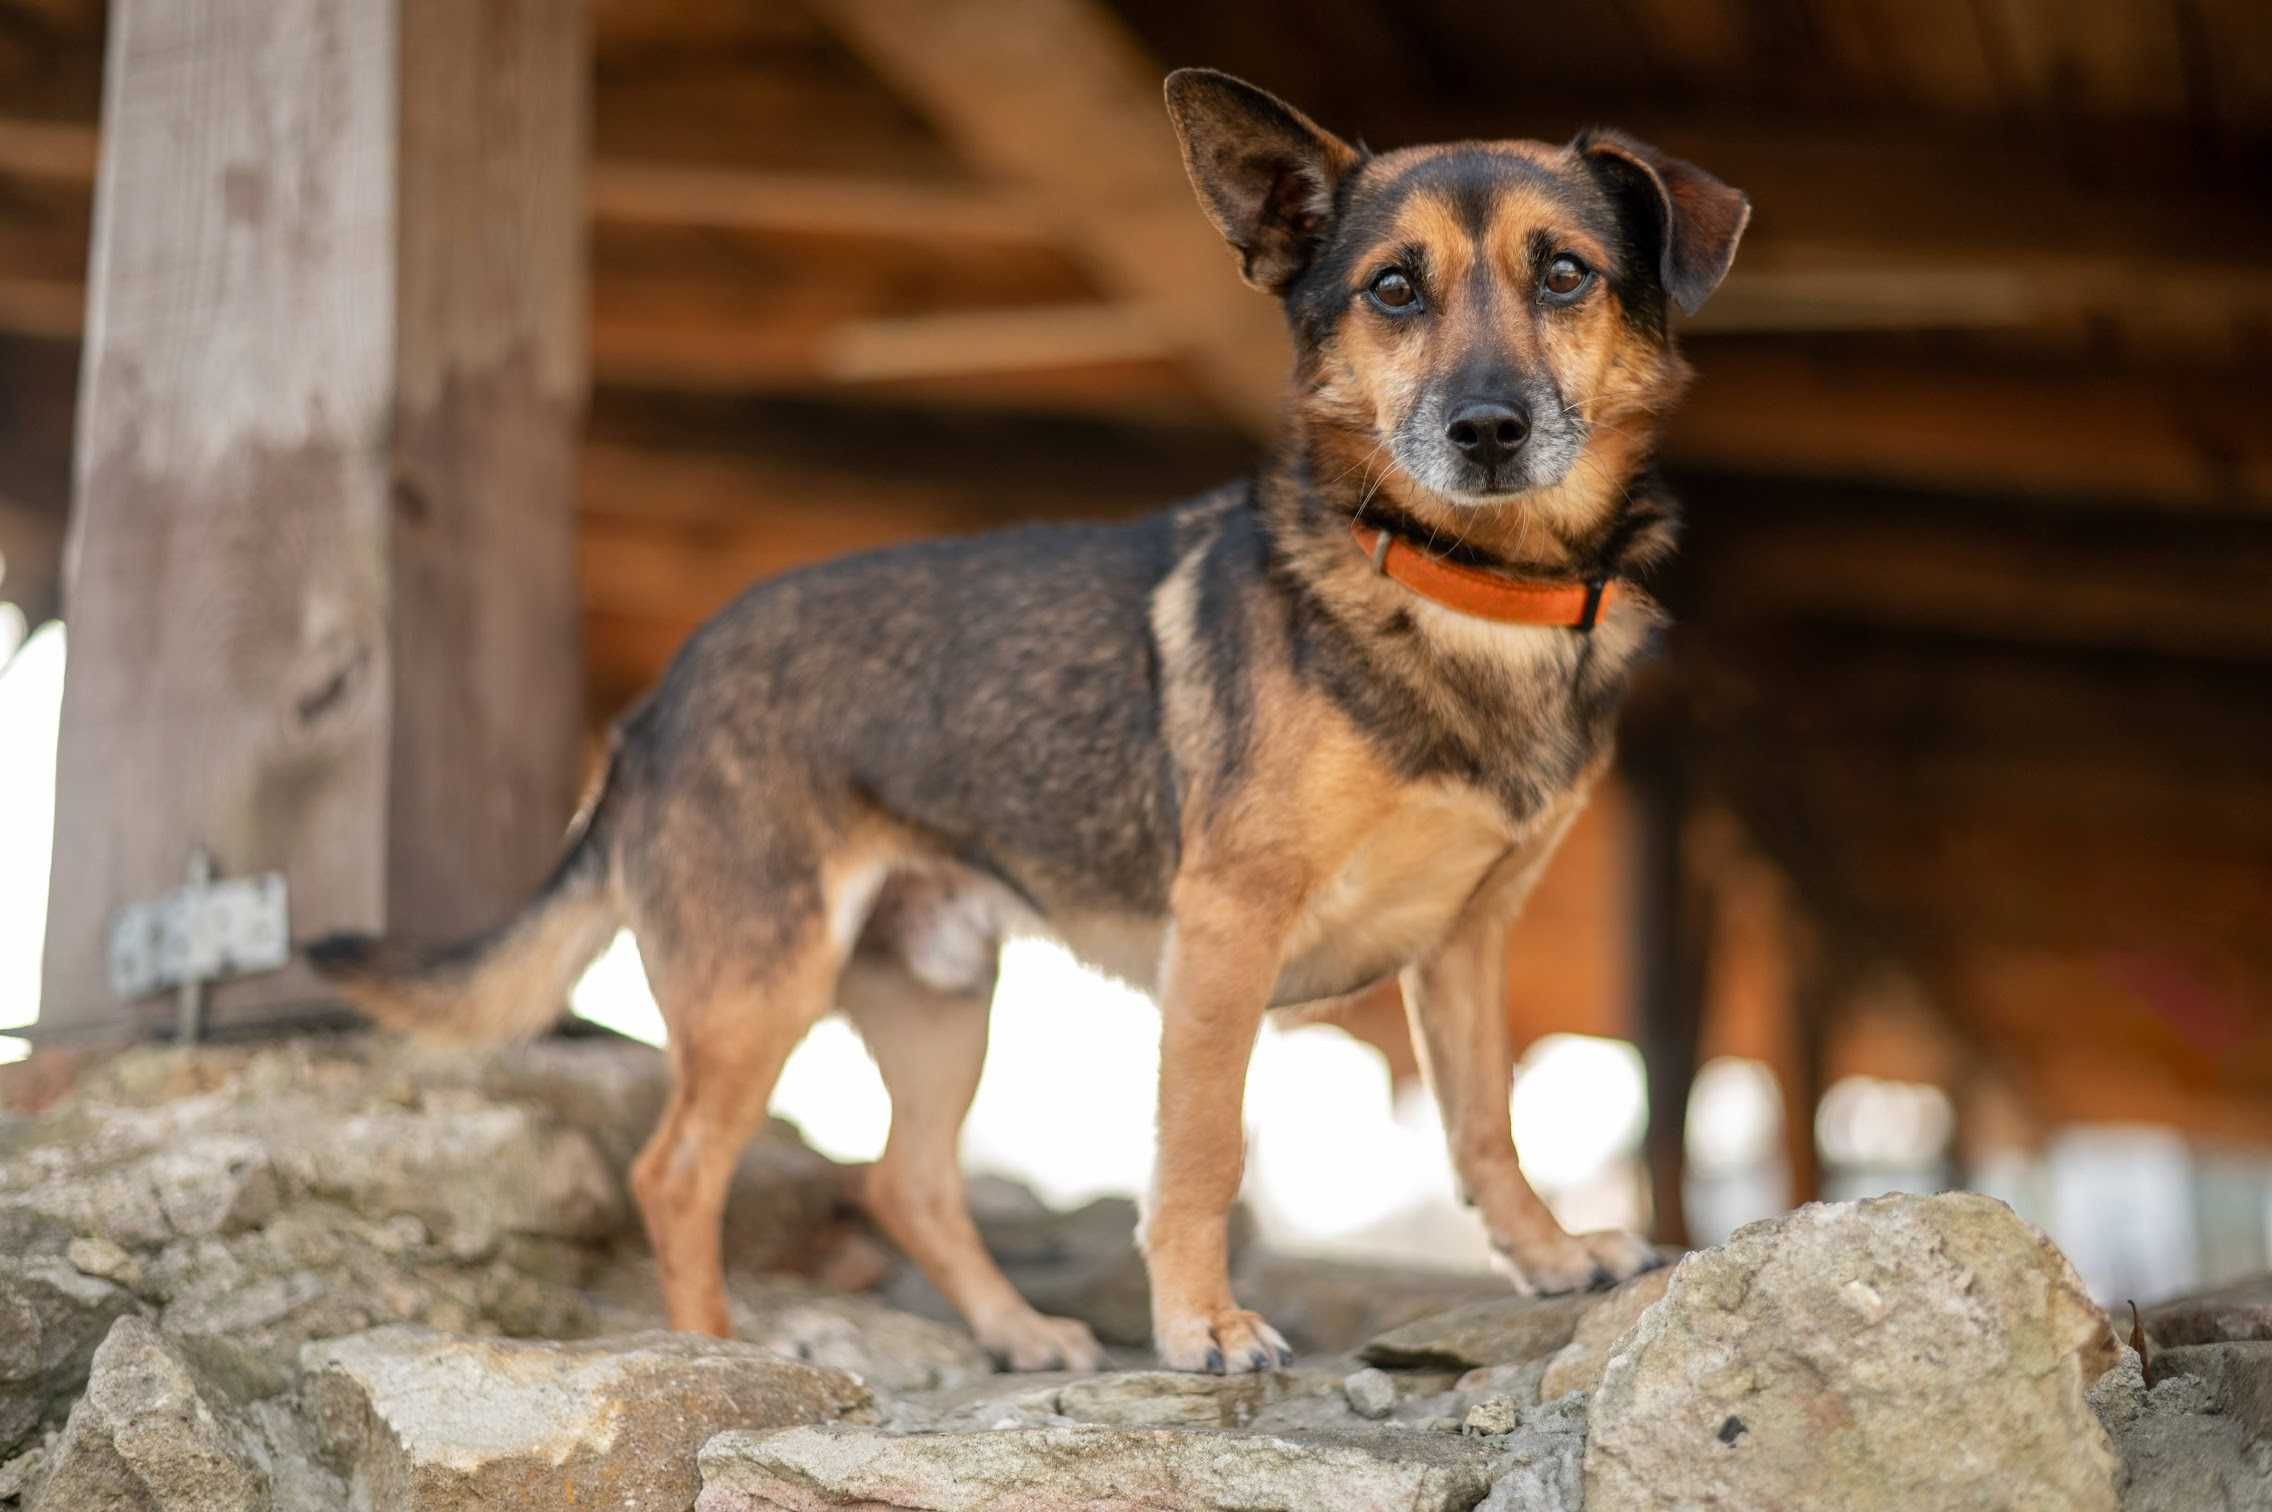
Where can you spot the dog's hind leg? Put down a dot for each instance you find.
(731, 1028)
(930, 1045)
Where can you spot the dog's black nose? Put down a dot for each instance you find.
(1487, 431)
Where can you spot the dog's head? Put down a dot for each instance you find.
(1484, 322)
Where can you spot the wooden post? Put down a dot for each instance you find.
(1670, 934)
(1809, 1007)
(322, 597)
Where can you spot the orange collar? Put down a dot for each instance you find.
(1484, 595)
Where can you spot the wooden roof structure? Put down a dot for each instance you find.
(1975, 620)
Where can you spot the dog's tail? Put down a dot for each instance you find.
(508, 983)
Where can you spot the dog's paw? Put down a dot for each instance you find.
(1563, 1262)
(1031, 1341)
(1232, 1342)
(1622, 1253)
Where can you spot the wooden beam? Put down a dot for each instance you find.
(751, 451)
(633, 192)
(2004, 579)
(2061, 297)
(43, 308)
(2190, 438)
(1062, 102)
(62, 150)
(961, 344)
(324, 614)
(31, 560)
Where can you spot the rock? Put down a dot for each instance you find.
(91, 1256)
(262, 1197)
(1519, 1381)
(889, 1349)
(1002, 1401)
(1328, 1306)
(151, 1434)
(470, 1173)
(52, 1318)
(1504, 1330)
(1168, 1399)
(2180, 1452)
(1493, 1415)
(423, 1422)
(894, 1350)
(1044, 1469)
(2239, 1376)
(2239, 1310)
(1540, 1463)
(1905, 1352)
(1579, 1364)
(21, 1477)
(1371, 1393)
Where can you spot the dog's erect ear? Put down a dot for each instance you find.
(1698, 219)
(1265, 172)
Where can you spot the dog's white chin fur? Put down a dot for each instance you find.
(1461, 498)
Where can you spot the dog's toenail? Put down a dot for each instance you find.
(1285, 1356)
(1215, 1361)
(1258, 1359)
(1603, 1278)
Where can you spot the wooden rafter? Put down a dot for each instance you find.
(1062, 102)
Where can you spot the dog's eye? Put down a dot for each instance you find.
(1392, 290)
(1565, 276)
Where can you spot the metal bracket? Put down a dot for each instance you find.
(197, 934)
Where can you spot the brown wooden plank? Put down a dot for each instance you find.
(2001, 581)
(2191, 438)
(1106, 165)
(323, 605)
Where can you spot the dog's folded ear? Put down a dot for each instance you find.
(1696, 219)
(1265, 173)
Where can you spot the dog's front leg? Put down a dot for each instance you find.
(1457, 1001)
(1222, 961)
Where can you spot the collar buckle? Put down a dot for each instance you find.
(1595, 587)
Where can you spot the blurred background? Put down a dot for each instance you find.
(1941, 848)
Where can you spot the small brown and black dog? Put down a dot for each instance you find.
(1308, 737)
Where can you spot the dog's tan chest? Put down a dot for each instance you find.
(1396, 897)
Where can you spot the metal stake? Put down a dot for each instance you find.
(189, 1022)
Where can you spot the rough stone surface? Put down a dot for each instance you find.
(2239, 1376)
(223, 1214)
(1110, 1469)
(1519, 1381)
(154, 1432)
(2180, 1450)
(1578, 1365)
(1371, 1392)
(1904, 1352)
(424, 1422)
(1329, 1306)
(1493, 1415)
(52, 1317)
(2238, 1310)
(1502, 1330)
(263, 1197)
(1540, 1468)
(889, 1349)
(1169, 1399)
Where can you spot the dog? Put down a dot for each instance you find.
(1308, 737)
